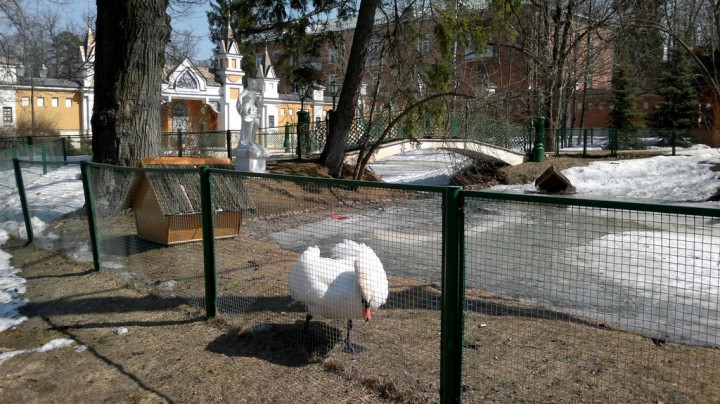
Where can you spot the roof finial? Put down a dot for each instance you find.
(229, 29)
(89, 18)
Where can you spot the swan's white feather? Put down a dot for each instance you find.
(335, 287)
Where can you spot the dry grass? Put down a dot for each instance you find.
(258, 351)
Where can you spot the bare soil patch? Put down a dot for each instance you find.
(257, 351)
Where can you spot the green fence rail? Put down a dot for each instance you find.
(32, 148)
(492, 296)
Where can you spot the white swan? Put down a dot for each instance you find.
(345, 286)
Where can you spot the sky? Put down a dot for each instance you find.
(685, 178)
(194, 20)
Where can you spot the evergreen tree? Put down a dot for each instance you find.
(675, 113)
(624, 116)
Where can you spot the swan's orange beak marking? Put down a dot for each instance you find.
(367, 314)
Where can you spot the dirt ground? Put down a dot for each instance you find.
(257, 353)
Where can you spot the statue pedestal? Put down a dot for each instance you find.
(250, 158)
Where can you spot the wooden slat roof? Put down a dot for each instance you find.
(178, 192)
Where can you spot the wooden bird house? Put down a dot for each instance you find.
(553, 181)
(167, 202)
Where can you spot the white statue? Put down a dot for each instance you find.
(248, 105)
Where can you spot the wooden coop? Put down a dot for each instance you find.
(552, 181)
(167, 204)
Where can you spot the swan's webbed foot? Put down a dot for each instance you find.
(348, 346)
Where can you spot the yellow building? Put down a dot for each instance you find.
(194, 98)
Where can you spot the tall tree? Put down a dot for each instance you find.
(643, 53)
(129, 54)
(674, 113)
(624, 115)
(289, 23)
(64, 55)
(556, 38)
(334, 151)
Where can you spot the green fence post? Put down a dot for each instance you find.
(453, 297)
(585, 138)
(23, 199)
(180, 143)
(302, 129)
(286, 143)
(558, 142)
(208, 229)
(91, 214)
(228, 142)
(64, 148)
(539, 149)
(672, 141)
(613, 142)
(43, 156)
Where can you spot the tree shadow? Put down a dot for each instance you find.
(78, 305)
(128, 244)
(55, 313)
(428, 297)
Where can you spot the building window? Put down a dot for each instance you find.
(25, 101)
(276, 56)
(54, 102)
(282, 111)
(332, 56)
(68, 102)
(271, 121)
(40, 101)
(579, 106)
(7, 116)
(425, 45)
(470, 54)
(179, 117)
(374, 51)
(646, 106)
(186, 80)
(290, 111)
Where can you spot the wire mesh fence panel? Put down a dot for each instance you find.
(51, 191)
(149, 228)
(10, 207)
(195, 144)
(291, 257)
(600, 301)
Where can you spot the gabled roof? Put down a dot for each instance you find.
(185, 73)
(266, 69)
(39, 84)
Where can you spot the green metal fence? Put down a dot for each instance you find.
(491, 297)
(33, 149)
(579, 299)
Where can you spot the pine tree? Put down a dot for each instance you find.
(624, 116)
(674, 114)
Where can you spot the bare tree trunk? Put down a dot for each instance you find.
(334, 151)
(129, 54)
